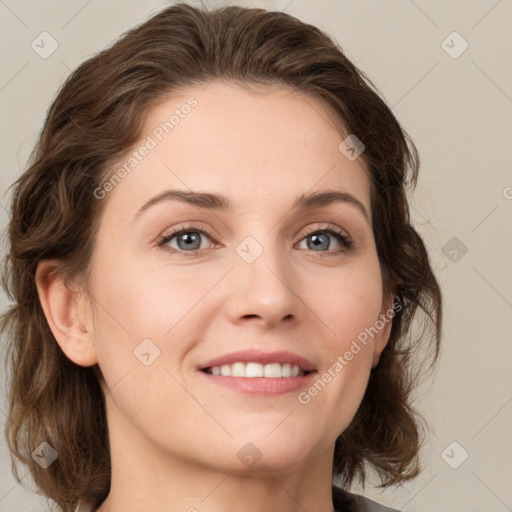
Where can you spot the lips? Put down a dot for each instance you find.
(256, 356)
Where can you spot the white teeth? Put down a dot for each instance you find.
(271, 370)
(251, 370)
(237, 370)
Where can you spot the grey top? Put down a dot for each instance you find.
(344, 501)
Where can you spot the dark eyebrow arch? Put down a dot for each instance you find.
(222, 203)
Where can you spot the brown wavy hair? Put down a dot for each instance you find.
(95, 119)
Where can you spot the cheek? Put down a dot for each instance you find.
(348, 301)
(146, 299)
(350, 308)
(135, 304)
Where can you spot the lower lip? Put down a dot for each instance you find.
(262, 385)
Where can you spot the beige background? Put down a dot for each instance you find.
(458, 111)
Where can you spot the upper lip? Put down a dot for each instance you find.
(253, 355)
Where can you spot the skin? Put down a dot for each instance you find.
(175, 436)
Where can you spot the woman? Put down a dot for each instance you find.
(214, 276)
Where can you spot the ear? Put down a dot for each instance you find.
(382, 338)
(68, 314)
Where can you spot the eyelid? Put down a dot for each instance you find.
(327, 227)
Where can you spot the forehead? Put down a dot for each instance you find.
(257, 145)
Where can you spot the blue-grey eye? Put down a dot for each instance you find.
(187, 240)
(320, 241)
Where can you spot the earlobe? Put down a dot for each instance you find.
(67, 314)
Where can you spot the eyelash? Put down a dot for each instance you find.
(331, 229)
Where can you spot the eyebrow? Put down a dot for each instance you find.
(220, 202)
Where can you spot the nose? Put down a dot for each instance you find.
(265, 290)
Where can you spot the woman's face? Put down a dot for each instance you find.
(260, 275)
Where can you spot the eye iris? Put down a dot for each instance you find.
(189, 237)
(317, 243)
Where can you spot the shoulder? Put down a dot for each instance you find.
(345, 501)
